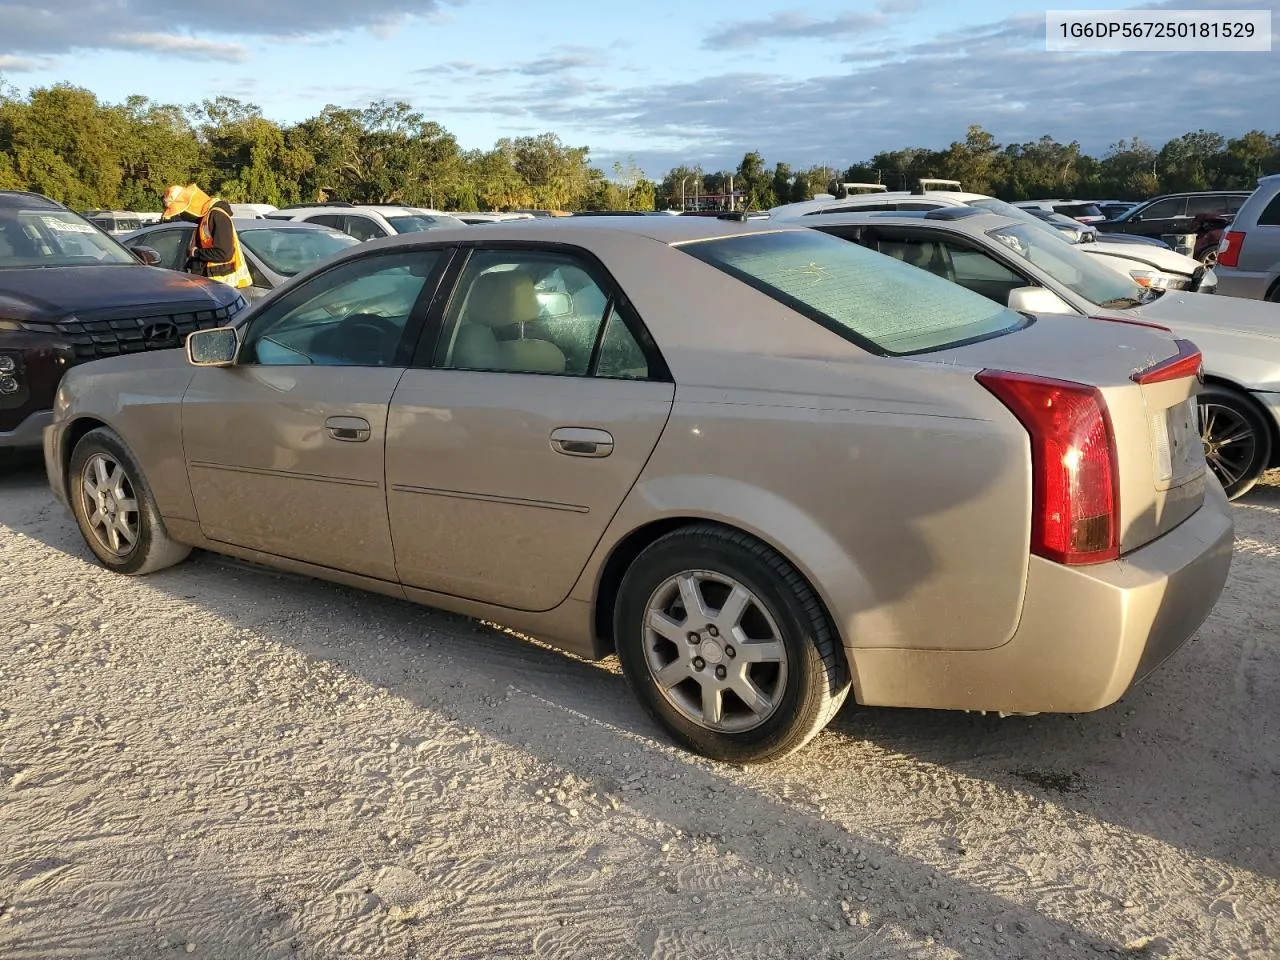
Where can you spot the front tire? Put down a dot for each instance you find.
(727, 647)
(114, 508)
(1237, 440)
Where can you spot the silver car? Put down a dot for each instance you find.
(275, 250)
(1249, 254)
(1029, 269)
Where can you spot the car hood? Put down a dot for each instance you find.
(1187, 313)
(1157, 258)
(50, 294)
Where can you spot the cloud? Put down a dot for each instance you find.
(998, 75)
(562, 60)
(13, 64)
(795, 25)
(182, 28)
(192, 48)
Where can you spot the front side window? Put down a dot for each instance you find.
(1078, 272)
(352, 315)
(873, 300)
(171, 244)
(526, 311)
(55, 238)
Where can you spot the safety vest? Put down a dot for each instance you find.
(233, 272)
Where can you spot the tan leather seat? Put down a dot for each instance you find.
(499, 300)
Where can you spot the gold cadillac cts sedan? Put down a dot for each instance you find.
(765, 466)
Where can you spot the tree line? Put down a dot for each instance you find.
(64, 142)
(1041, 169)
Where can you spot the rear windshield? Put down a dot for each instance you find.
(420, 222)
(289, 252)
(1078, 210)
(877, 302)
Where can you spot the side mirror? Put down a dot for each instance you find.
(213, 348)
(1136, 218)
(1033, 300)
(554, 303)
(146, 255)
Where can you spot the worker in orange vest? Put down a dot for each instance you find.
(215, 248)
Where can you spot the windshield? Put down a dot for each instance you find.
(54, 238)
(289, 252)
(873, 300)
(421, 221)
(1077, 271)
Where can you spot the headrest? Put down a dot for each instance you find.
(501, 299)
(912, 253)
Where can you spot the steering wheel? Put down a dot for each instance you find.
(367, 337)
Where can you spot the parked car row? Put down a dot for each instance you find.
(764, 462)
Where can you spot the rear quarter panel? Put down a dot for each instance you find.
(901, 490)
(140, 398)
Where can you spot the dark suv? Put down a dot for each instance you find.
(1174, 212)
(70, 294)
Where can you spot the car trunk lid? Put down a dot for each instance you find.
(1148, 382)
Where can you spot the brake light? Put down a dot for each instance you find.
(1075, 510)
(1188, 363)
(1229, 248)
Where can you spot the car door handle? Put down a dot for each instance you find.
(581, 442)
(350, 429)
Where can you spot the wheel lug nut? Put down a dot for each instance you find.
(694, 638)
(713, 631)
(721, 673)
(730, 652)
(698, 663)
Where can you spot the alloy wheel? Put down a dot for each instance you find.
(1230, 444)
(110, 504)
(714, 651)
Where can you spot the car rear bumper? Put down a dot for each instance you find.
(1087, 634)
(1238, 283)
(28, 432)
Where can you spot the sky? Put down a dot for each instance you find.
(826, 82)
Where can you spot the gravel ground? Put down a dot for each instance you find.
(220, 761)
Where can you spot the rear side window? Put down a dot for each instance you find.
(1270, 217)
(874, 301)
(1209, 204)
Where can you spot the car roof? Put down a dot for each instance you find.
(13, 199)
(255, 223)
(581, 230)
(804, 207)
(969, 219)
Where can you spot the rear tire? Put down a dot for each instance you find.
(1237, 438)
(115, 509)
(766, 672)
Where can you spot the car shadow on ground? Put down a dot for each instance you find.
(587, 720)
(1114, 765)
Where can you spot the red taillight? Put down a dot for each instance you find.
(1187, 364)
(1075, 483)
(1229, 248)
